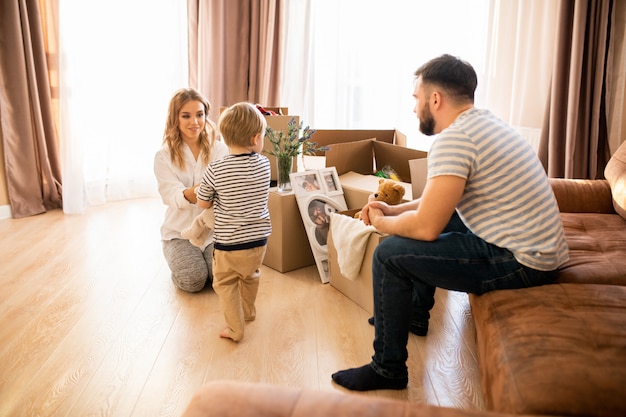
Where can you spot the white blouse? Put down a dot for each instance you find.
(172, 181)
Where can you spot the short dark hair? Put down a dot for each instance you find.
(455, 76)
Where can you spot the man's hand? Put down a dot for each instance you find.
(374, 210)
(421, 219)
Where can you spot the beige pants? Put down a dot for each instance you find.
(236, 282)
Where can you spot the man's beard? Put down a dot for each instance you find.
(427, 122)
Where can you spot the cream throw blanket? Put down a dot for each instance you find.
(350, 238)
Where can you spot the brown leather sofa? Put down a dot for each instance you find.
(240, 399)
(561, 349)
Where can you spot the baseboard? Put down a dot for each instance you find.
(5, 212)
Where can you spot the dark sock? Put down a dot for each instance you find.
(366, 379)
(417, 329)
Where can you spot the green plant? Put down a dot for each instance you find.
(292, 144)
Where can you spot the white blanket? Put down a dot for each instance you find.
(350, 238)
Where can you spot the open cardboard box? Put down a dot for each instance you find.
(358, 290)
(357, 187)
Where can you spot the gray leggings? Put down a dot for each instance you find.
(192, 268)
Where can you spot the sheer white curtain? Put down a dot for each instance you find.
(353, 68)
(121, 61)
(357, 59)
(519, 59)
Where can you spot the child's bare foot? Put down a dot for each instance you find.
(226, 335)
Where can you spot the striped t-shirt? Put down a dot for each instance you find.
(238, 185)
(508, 200)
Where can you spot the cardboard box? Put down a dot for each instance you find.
(288, 246)
(357, 161)
(360, 289)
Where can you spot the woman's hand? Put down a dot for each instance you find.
(190, 194)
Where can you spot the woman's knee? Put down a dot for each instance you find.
(190, 280)
(189, 283)
(190, 271)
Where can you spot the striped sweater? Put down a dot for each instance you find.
(508, 200)
(238, 185)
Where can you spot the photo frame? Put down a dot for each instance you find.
(330, 181)
(306, 183)
(318, 194)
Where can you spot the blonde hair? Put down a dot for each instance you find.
(239, 123)
(172, 137)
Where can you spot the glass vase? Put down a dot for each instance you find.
(285, 164)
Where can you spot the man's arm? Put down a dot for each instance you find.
(429, 215)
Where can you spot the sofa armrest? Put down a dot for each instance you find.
(582, 196)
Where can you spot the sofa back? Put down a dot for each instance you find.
(615, 173)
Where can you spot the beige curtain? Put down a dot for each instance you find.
(574, 140)
(32, 166)
(235, 50)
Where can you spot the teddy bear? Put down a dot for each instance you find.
(200, 228)
(389, 191)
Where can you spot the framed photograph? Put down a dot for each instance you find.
(306, 183)
(315, 210)
(318, 194)
(330, 181)
(318, 209)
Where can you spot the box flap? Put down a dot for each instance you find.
(400, 139)
(397, 157)
(419, 175)
(325, 137)
(351, 156)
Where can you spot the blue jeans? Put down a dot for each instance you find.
(406, 273)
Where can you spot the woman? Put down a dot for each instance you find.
(190, 142)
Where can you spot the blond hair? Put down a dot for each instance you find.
(241, 122)
(172, 137)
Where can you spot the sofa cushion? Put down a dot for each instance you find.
(615, 173)
(596, 249)
(556, 349)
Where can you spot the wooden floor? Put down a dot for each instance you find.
(90, 324)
